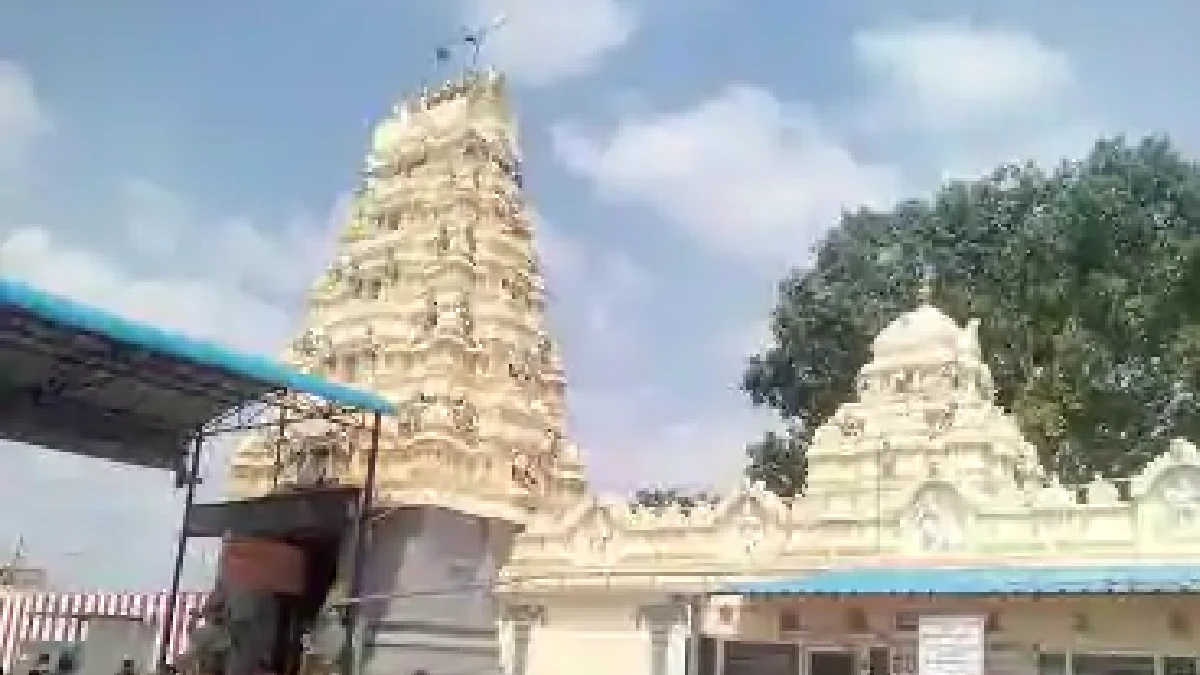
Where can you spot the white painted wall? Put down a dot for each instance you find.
(594, 635)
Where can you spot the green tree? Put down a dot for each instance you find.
(1086, 279)
(662, 497)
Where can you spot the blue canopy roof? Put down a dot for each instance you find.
(80, 379)
(998, 580)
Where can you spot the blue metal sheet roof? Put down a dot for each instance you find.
(998, 580)
(255, 370)
(82, 380)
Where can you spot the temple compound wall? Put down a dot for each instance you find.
(920, 469)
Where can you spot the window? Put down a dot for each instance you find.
(1109, 664)
(907, 622)
(789, 621)
(1179, 624)
(1179, 665)
(1052, 664)
(880, 661)
(856, 621)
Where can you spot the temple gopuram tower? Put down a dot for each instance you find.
(435, 300)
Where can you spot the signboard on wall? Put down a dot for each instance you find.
(951, 645)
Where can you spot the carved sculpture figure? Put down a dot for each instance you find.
(1181, 495)
(850, 426)
(465, 418)
(940, 419)
(936, 526)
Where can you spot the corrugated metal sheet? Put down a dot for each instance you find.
(27, 618)
(252, 371)
(998, 580)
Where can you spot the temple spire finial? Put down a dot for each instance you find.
(925, 289)
(473, 39)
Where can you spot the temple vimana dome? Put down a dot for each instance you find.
(436, 299)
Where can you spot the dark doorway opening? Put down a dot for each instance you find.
(830, 663)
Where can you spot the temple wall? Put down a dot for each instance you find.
(632, 634)
(602, 635)
(428, 579)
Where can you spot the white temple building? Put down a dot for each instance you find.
(921, 474)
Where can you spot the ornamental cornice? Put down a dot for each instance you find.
(936, 519)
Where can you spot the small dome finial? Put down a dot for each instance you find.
(925, 289)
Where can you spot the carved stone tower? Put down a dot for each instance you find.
(924, 413)
(436, 301)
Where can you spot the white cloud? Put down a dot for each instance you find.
(23, 118)
(741, 171)
(746, 173)
(545, 41)
(602, 286)
(630, 442)
(958, 73)
(963, 97)
(161, 225)
(197, 307)
(970, 156)
(220, 281)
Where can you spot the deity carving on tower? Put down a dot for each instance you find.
(937, 526)
(1180, 492)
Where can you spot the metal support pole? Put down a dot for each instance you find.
(279, 438)
(180, 552)
(695, 606)
(358, 556)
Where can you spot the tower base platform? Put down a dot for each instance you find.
(429, 605)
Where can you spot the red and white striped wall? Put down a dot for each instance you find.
(27, 617)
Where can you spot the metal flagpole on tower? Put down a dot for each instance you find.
(477, 37)
(473, 38)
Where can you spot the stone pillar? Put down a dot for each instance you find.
(523, 618)
(661, 621)
(433, 571)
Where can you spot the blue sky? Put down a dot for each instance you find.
(185, 163)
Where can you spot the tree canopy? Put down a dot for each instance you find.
(666, 496)
(1086, 279)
